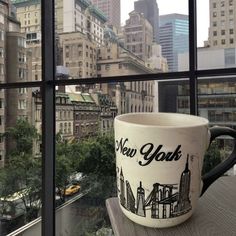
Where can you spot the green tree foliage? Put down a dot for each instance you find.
(23, 169)
(212, 158)
(23, 134)
(64, 166)
(94, 157)
(97, 161)
(98, 156)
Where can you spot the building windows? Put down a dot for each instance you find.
(215, 33)
(22, 90)
(214, 14)
(1, 69)
(222, 4)
(107, 66)
(1, 35)
(222, 13)
(214, 24)
(231, 41)
(21, 42)
(214, 4)
(229, 55)
(231, 31)
(1, 103)
(231, 12)
(1, 18)
(22, 104)
(231, 23)
(1, 138)
(230, 2)
(223, 41)
(222, 32)
(21, 73)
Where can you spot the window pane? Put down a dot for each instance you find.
(24, 42)
(216, 102)
(216, 39)
(173, 96)
(85, 156)
(94, 40)
(20, 159)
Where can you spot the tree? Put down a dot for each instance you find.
(97, 161)
(63, 165)
(212, 158)
(23, 169)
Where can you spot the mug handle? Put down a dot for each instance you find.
(221, 168)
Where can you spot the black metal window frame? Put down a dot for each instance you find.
(48, 84)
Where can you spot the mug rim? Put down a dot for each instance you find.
(199, 121)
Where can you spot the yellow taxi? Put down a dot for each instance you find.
(71, 189)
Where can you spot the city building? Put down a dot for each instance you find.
(174, 37)
(108, 112)
(151, 12)
(111, 9)
(28, 13)
(115, 60)
(138, 35)
(216, 95)
(78, 55)
(86, 115)
(82, 16)
(64, 115)
(15, 66)
(70, 16)
(222, 24)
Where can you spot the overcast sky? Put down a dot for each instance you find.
(176, 6)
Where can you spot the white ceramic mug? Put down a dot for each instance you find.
(159, 159)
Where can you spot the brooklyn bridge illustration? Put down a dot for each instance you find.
(164, 201)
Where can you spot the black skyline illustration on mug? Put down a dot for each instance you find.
(164, 201)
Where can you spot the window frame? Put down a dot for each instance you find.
(48, 85)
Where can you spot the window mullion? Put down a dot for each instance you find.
(193, 56)
(48, 118)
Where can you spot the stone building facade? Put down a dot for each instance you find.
(138, 35)
(115, 60)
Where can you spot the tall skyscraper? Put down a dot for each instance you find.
(111, 8)
(173, 37)
(151, 12)
(222, 24)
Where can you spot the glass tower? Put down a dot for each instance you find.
(173, 37)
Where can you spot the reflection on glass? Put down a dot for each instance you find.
(217, 100)
(20, 156)
(173, 96)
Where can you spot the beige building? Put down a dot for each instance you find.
(79, 55)
(114, 60)
(222, 24)
(138, 35)
(71, 16)
(29, 15)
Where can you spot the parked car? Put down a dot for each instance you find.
(71, 189)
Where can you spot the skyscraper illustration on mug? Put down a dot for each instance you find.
(164, 201)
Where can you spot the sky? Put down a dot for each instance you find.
(176, 6)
